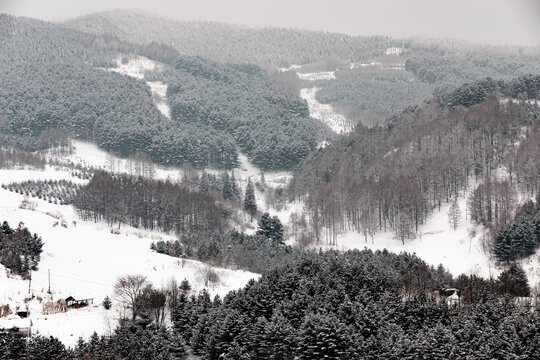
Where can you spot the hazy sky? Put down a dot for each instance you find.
(486, 21)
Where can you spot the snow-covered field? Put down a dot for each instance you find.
(324, 112)
(290, 68)
(86, 258)
(89, 155)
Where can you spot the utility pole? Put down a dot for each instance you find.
(49, 291)
(29, 281)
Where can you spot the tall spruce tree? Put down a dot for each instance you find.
(250, 204)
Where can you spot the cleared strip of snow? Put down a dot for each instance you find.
(290, 68)
(324, 112)
(378, 65)
(159, 93)
(323, 75)
(89, 155)
(136, 66)
(518, 101)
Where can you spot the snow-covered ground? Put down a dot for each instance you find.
(378, 65)
(86, 258)
(517, 101)
(135, 67)
(323, 75)
(89, 155)
(461, 251)
(437, 243)
(324, 112)
(290, 68)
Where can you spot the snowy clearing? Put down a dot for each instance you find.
(378, 65)
(323, 75)
(290, 68)
(436, 243)
(461, 251)
(324, 112)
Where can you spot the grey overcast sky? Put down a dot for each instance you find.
(515, 22)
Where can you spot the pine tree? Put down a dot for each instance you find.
(12, 345)
(271, 228)
(107, 303)
(45, 348)
(323, 337)
(250, 204)
(235, 189)
(513, 281)
(226, 191)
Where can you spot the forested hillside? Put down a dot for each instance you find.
(388, 85)
(269, 125)
(353, 305)
(394, 176)
(369, 85)
(229, 43)
(49, 82)
(52, 82)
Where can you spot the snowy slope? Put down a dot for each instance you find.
(461, 251)
(89, 155)
(85, 260)
(324, 112)
(437, 243)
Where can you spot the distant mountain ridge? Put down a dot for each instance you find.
(230, 43)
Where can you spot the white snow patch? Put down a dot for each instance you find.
(290, 68)
(324, 112)
(378, 65)
(323, 75)
(518, 101)
(89, 155)
(159, 94)
(136, 66)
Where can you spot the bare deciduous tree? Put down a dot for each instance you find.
(454, 215)
(128, 289)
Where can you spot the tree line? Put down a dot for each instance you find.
(13, 158)
(258, 252)
(141, 202)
